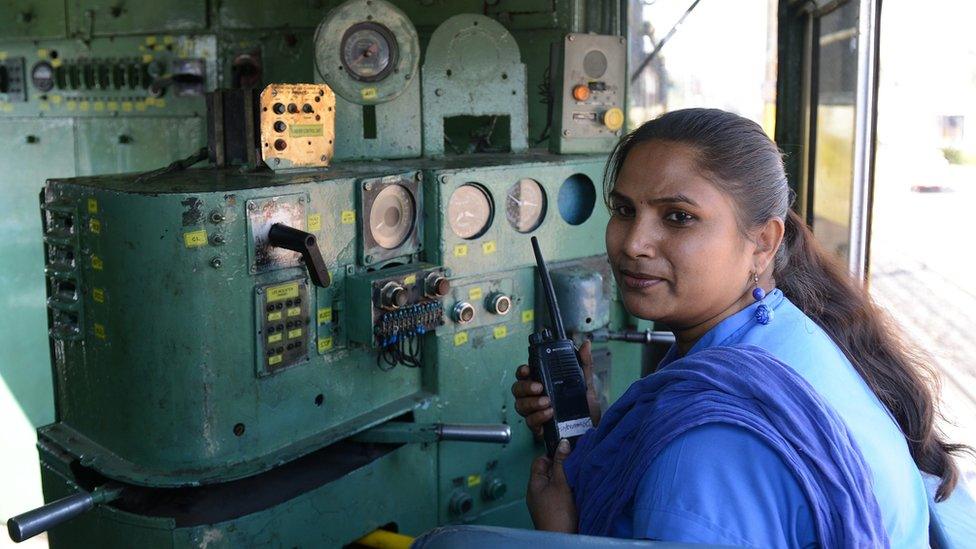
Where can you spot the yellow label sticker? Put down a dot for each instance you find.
(112, 105)
(98, 295)
(150, 40)
(168, 40)
(489, 247)
(147, 58)
(324, 316)
(71, 105)
(97, 263)
(99, 331)
(475, 293)
(348, 217)
(42, 53)
(410, 280)
(7, 107)
(94, 226)
(140, 105)
(368, 93)
(98, 106)
(474, 480)
(282, 291)
(83, 106)
(292, 334)
(460, 250)
(274, 316)
(315, 222)
(460, 338)
(272, 360)
(294, 311)
(500, 331)
(127, 106)
(56, 63)
(55, 99)
(274, 338)
(92, 206)
(160, 103)
(305, 130)
(195, 239)
(325, 344)
(528, 316)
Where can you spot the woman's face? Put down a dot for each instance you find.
(676, 250)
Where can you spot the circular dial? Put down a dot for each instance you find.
(391, 216)
(42, 75)
(369, 51)
(469, 210)
(525, 205)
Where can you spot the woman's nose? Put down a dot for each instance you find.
(641, 239)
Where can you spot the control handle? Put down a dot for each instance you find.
(296, 240)
(42, 519)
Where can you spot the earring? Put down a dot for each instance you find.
(764, 315)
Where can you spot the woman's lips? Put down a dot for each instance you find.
(639, 281)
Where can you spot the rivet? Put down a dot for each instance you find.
(439, 92)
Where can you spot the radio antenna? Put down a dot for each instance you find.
(557, 319)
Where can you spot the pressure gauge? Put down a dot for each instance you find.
(525, 205)
(469, 211)
(42, 76)
(368, 51)
(391, 217)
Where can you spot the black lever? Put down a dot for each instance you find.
(290, 238)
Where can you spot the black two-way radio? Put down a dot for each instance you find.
(555, 363)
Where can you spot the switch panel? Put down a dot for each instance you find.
(405, 302)
(284, 325)
(588, 75)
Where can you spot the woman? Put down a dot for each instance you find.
(701, 238)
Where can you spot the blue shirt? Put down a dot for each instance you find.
(721, 484)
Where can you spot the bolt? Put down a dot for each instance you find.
(439, 92)
(277, 161)
(368, 259)
(367, 186)
(571, 38)
(445, 179)
(566, 133)
(216, 263)
(419, 176)
(251, 206)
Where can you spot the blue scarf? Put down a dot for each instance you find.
(744, 386)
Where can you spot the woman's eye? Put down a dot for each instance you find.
(622, 210)
(680, 218)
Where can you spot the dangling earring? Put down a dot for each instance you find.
(764, 315)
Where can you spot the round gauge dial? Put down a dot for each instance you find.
(525, 205)
(469, 211)
(42, 75)
(369, 51)
(391, 217)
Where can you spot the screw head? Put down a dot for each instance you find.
(367, 186)
(439, 92)
(216, 263)
(368, 259)
(571, 38)
(419, 176)
(251, 206)
(566, 133)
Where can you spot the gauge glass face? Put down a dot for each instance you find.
(391, 217)
(368, 51)
(469, 211)
(525, 205)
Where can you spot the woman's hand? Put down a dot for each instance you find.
(536, 408)
(549, 498)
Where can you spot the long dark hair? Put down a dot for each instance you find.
(740, 159)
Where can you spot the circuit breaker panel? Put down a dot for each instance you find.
(317, 337)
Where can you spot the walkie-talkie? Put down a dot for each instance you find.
(555, 363)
